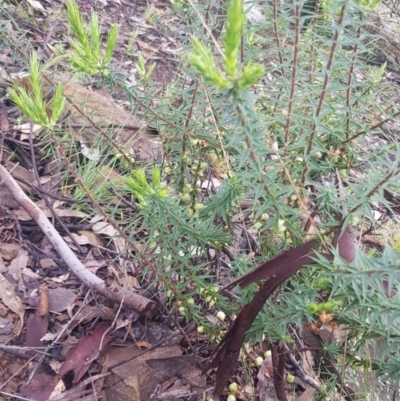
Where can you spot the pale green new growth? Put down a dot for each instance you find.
(234, 28)
(251, 73)
(141, 68)
(379, 74)
(369, 4)
(203, 60)
(87, 56)
(156, 177)
(110, 44)
(76, 22)
(32, 104)
(142, 189)
(58, 105)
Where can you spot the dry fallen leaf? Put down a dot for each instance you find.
(183, 366)
(60, 299)
(22, 214)
(307, 395)
(87, 350)
(11, 299)
(134, 380)
(40, 388)
(36, 5)
(146, 49)
(4, 124)
(18, 264)
(5, 326)
(26, 129)
(345, 241)
(265, 384)
(20, 173)
(92, 238)
(105, 228)
(9, 251)
(102, 227)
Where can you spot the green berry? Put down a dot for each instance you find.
(258, 361)
(257, 226)
(221, 316)
(186, 198)
(198, 206)
(267, 354)
(187, 189)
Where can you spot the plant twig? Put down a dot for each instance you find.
(300, 372)
(293, 80)
(386, 120)
(324, 90)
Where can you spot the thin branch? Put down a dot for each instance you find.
(376, 188)
(294, 74)
(276, 33)
(324, 90)
(386, 120)
(349, 89)
(208, 30)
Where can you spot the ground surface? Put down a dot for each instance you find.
(139, 359)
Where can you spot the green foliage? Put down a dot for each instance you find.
(32, 104)
(142, 189)
(203, 60)
(369, 4)
(141, 68)
(234, 28)
(87, 56)
(308, 123)
(328, 306)
(275, 148)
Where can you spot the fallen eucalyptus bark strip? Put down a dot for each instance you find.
(113, 291)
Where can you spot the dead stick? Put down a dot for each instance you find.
(113, 292)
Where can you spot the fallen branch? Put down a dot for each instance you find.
(113, 291)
